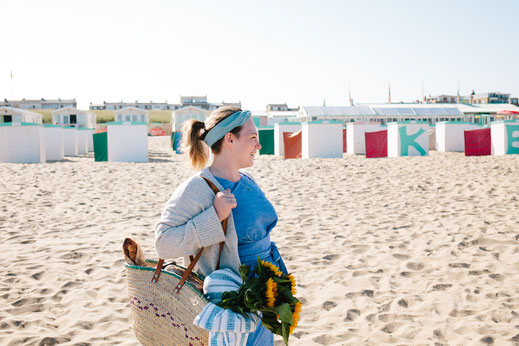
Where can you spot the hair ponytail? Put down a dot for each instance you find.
(192, 144)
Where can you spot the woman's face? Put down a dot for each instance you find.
(247, 145)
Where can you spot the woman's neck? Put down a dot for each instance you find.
(223, 169)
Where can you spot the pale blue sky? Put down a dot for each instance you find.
(260, 52)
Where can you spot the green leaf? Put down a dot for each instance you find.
(285, 330)
(285, 313)
(280, 280)
(244, 272)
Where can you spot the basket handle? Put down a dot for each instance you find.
(194, 260)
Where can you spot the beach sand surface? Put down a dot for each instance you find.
(417, 250)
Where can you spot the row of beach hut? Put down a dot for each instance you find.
(329, 139)
(36, 143)
(24, 142)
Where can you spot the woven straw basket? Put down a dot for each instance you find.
(161, 316)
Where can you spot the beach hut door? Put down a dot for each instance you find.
(73, 119)
(8, 119)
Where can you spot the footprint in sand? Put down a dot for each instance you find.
(328, 305)
(401, 256)
(461, 313)
(441, 287)
(415, 265)
(391, 327)
(351, 315)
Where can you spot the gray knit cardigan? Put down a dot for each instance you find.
(189, 222)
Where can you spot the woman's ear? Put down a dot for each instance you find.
(229, 138)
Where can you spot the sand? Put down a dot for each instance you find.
(419, 250)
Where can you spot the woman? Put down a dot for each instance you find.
(191, 218)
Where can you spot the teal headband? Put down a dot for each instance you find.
(223, 127)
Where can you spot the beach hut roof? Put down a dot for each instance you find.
(11, 110)
(70, 110)
(420, 111)
(132, 110)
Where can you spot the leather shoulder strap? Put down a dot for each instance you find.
(194, 260)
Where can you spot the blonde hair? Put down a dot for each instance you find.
(194, 132)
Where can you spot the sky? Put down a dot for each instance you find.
(258, 52)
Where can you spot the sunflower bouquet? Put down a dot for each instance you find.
(268, 293)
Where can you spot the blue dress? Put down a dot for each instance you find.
(254, 218)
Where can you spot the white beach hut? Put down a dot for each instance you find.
(22, 143)
(505, 137)
(279, 128)
(408, 138)
(356, 136)
(70, 140)
(450, 135)
(322, 139)
(54, 142)
(69, 116)
(179, 116)
(90, 140)
(127, 141)
(132, 114)
(16, 115)
(82, 140)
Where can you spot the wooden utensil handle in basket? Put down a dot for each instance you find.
(194, 260)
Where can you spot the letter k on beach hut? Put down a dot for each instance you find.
(408, 138)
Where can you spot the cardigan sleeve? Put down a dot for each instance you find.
(188, 221)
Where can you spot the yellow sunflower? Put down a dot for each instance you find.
(271, 293)
(271, 267)
(295, 316)
(292, 284)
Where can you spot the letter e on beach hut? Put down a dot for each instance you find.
(279, 128)
(54, 142)
(450, 135)
(408, 138)
(127, 141)
(22, 143)
(505, 137)
(355, 139)
(322, 139)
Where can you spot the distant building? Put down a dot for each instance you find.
(39, 104)
(384, 113)
(442, 99)
(491, 97)
(140, 105)
(280, 107)
(185, 101)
